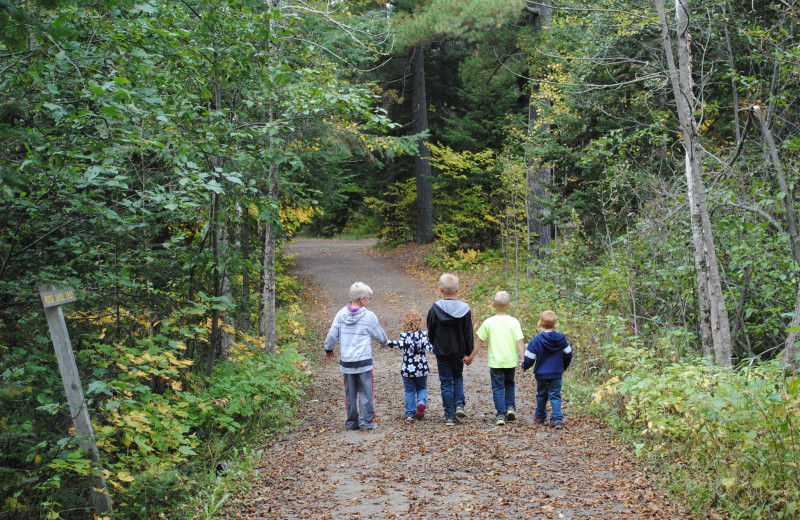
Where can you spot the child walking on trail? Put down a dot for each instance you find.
(354, 327)
(450, 332)
(550, 354)
(504, 338)
(414, 367)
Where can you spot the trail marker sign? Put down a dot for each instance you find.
(52, 300)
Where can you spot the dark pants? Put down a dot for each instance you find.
(548, 389)
(451, 376)
(503, 389)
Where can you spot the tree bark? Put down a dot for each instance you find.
(422, 163)
(705, 255)
(538, 176)
(226, 337)
(790, 348)
(266, 323)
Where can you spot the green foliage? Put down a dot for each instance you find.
(397, 209)
(159, 427)
(730, 436)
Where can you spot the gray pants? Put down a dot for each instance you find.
(358, 392)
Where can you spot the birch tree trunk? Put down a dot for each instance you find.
(422, 163)
(705, 255)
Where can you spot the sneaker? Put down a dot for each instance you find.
(537, 420)
(501, 421)
(556, 425)
(460, 412)
(450, 421)
(409, 420)
(420, 413)
(511, 415)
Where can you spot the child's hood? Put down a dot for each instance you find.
(353, 317)
(450, 310)
(554, 341)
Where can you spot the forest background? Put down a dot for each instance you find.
(632, 164)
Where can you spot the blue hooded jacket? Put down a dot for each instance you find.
(549, 353)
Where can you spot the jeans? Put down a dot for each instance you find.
(451, 370)
(503, 389)
(416, 392)
(360, 402)
(548, 389)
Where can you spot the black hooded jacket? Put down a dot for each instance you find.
(450, 328)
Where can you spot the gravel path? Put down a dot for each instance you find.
(425, 469)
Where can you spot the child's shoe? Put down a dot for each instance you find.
(409, 420)
(556, 424)
(450, 421)
(460, 413)
(501, 420)
(420, 413)
(539, 421)
(511, 415)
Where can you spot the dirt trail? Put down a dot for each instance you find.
(426, 469)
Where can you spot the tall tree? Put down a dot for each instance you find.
(422, 161)
(538, 175)
(709, 284)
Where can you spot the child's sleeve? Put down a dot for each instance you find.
(333, 334)
(426, 342)
(567, 353)
(530, 355)
(399, 343)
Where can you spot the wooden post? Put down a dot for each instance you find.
(52, 300)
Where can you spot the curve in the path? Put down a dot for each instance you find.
(427, 470)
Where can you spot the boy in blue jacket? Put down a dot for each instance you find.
(550, 354)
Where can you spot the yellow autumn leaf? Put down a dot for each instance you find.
(124, 476)
(177, 386)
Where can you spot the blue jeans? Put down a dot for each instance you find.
(503, 389)
(416, 392)
(451, 376)
(548, 389)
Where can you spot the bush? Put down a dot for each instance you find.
(161, 428)
(730, 437)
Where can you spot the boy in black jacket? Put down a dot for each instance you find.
(550, 354)
(450, 332)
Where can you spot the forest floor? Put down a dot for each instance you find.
(425, 469)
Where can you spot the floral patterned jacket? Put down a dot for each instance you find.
(415, 359)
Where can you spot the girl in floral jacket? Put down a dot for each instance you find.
(414, 368)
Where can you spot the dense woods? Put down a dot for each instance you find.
(633, 162)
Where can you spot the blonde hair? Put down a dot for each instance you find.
(412, 321)
(359, 290)
(502, 300)
(548, 319)
(448, 283)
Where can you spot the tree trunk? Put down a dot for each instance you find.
(708, 277)
(267, 326)
(212, 344)
(790, 349)
(266, 322)
(538, 177)
(243, 316)
(226, 337)
(422, 163)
